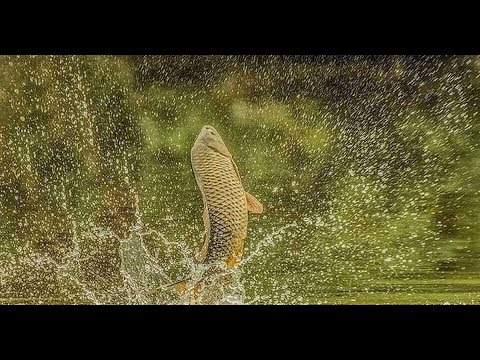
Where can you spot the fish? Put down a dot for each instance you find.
(226, 203)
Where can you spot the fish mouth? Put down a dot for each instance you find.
(208, 127)
(204, 134)
(205, 129)
(202, 131)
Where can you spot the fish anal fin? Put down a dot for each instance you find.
(237, 254)
(253, 205)
(231, 261)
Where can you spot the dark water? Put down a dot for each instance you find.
(367, 167)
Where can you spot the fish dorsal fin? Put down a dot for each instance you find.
(236, 169)
(253, 205)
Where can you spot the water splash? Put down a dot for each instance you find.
(367, 167)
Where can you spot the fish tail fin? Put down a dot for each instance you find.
(180, 286)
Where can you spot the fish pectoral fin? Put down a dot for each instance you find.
(253, 205)
(179, 286)
(202, 254)
(203, 251)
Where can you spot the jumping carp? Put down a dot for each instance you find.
(226, 203)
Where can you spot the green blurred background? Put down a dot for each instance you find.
(367, 166)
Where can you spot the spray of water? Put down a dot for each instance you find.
(367, 168)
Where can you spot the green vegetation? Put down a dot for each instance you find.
(368, 169)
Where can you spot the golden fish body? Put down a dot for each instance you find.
(225, 215)
(226, 203)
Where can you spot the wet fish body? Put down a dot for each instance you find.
(226, 203)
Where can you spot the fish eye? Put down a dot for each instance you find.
(211, 132)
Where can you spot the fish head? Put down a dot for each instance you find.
(209, 138)
(209, 135)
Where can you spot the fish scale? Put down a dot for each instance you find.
(225, 215)
(224, 198)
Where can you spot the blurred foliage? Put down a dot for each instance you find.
(375, 160)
